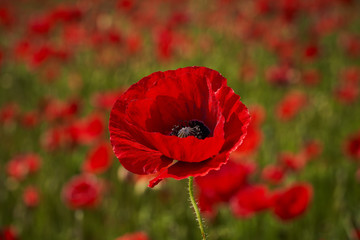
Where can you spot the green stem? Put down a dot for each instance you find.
(197, 212)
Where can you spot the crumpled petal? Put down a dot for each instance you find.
(181, 170)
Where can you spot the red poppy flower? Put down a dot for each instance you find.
(280, 75)
(8, 113)
(98, 159)
(31, 196)
(177, 123)
(347, 93)
(312, 149)
(250, 200)
(106, 100)
(311, 77)
(134, 236)
(29, 119)
(85, 131)
(21, 165)
(292, 161)
(6, 17)
(352, 146)
(273, 174)
(8, 233)
(291, 105)
(220, 186)
(82, 191)
(292, 201)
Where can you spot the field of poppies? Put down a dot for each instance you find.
(294, 63)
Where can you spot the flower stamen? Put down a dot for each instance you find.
(191, 128)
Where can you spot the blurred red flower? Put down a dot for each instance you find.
(250, 200)
(292, 161)
(312, 149)
(8, 233)
(106, 100)
(87, 130)
(30, 119)
(31, 196)
(220, 186)
(292, 201)
(347, 93)
(21, 165)
(311, 77)
(6, 17)
(352, 146)
(134, 236)
(41, 25)
(8, 112)
(291, 105)
(280, 75)
(98, 159)
(83, 191)
(189, 115)
(273, 174)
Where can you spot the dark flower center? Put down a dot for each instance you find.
(190, 128)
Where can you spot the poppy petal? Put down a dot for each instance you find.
(181, 170)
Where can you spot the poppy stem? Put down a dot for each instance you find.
(196, 209)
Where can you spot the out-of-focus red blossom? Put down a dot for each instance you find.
(176, 19)
(41, 25)
(8, 233)
(106, 100)
(22, 165)
(254, 135)
(53, 139)
(31, 196)
(66, 14)
(125, 5)
(40, 55)
(133, 43)
(312, 149)
(54, 109)
(356, 234)
(219, 186)
(22, 49)
(289, 9)
(311, 52)
(351, 45)
(280, 75)
(250, 200)
(347, 93)
(83, 191)
(294, 162)
(30, 119)
(98, 159)
(292, 201)
(87, 130)
(6, 17)
(134, 236)
(164, 39)
(8, 113)
(198, 128)
(74, 34)
(291, 105)
(350, 76)
(273, 174)
(251, 142)
(352, 146)
(258, 115)
(311, 77)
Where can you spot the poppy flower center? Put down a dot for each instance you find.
(190, 128)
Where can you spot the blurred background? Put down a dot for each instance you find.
(295, 64)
